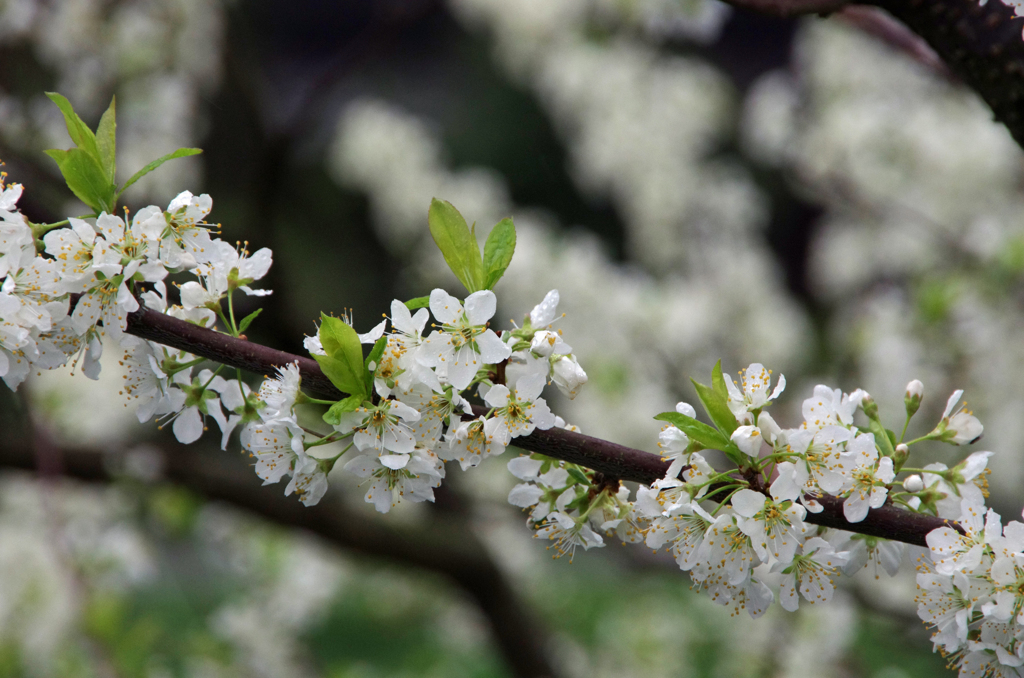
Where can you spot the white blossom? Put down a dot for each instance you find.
(464, 344)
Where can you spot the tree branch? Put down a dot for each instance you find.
(790, 7)
(448, 547)
(611, 459)
(981, 44)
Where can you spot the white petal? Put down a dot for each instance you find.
(951, 403)
(492, 349)
(373, 335)
(188, 426)
(524, 468)
(525, 495)
(544, 312)
(497, 396)
(395, 461)
(748, 502)
(444, 306)
(480, 306)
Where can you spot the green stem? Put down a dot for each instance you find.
(212, 376)
(715, 478)
(903, 433)
(231, 312)
(318, 401)
(326, 439)
(338, 456)
(593, 504)
(937, 472)
(39, 230)
(723, 502)
(181, 367)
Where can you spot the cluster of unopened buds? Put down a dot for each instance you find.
(732, 506)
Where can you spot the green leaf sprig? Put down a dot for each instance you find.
(457, 242)
(90, 168)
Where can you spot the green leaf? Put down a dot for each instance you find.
(418, 302)
(456, 243)
(80, 133)
(180, 153)
(698, 431)
(341, 376)
(498, 250)
(718, 383)
(85, 177)
(884, 439)
(375, 353)
(577, 475)
(343, 363)
(247, 320)
(106, 142)
(349, 404)
(717, 408)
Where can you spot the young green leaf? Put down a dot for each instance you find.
(498, 250)
(247, 320)
(718, 383)
(577, 475)
(333, 415)
(106, 142)
(373, 359)
(340, 374)
(80, 133)
(417, 303)
(884, 438)
(180, 153)
(698, 431)
(85, 177)
(717, 408)
(457, 244)
(343, 363)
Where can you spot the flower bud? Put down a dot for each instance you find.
(913, 483)
(687, 409)
(900, 455)
(912, 399)
(869, 406)
(568, 375)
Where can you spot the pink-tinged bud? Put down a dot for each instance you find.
(913, 397)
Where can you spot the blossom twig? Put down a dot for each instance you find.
(611, 459)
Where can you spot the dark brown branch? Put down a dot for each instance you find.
(790, 7)
(981, 44)
(446, 547)
(611, 459)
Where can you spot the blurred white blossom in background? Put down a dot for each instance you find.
(161, 59)
(919, 252)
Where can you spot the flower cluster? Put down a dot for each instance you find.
(63, 293)
(733, 504)
(416, 417)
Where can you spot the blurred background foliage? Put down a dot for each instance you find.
(698, 182)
